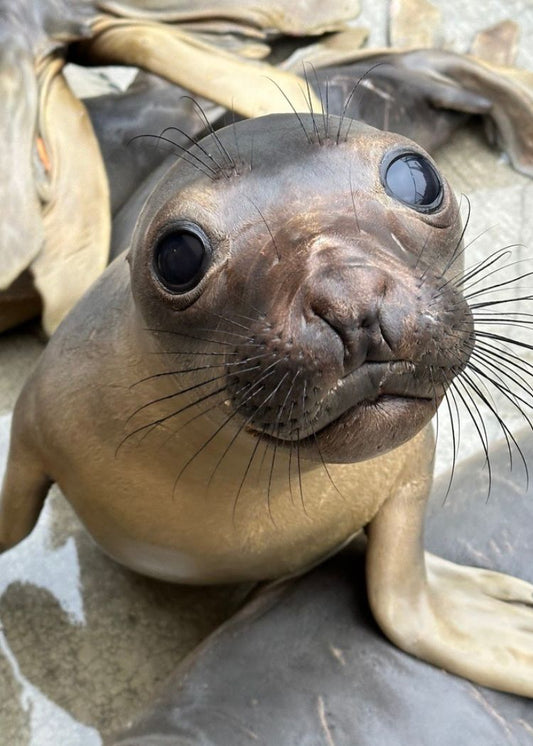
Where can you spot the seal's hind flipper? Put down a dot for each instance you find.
(24, 488)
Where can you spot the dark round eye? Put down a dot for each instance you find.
(181, 258)
(413, 180)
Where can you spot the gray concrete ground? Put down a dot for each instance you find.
(83, 642)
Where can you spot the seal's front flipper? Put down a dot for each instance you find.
(484, 625)
(24, 489)
(472, 622)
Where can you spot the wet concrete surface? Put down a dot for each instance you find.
(84, 643)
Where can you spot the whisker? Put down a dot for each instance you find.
(179, 372)
(234, 132)
(315, 438)
(509, 437)
(252, 391)
(278, 425)
(480, 429)
(498, 286)
(475, 307)
(459, 279)
(182, 371)
(455, 443)
(196, 162)
(194, 142)
(300, 485)
(349, 99)
(269, 484)
(324, 100)
(353, 201)
(298, 117)
(190, 336)
(267, 227)
(234, 438)
(232, 321)
(421, 254)
(479, 268)
(159, 421)
(513, 398)
(193, 387)
(310, 102)
(191, 353)
(437, 421)
(243, 480)
(236, 363)
(248, 337)
(246, 422)
(203, 412)
(518, 364)
(291, 451)
(501, 338)
(456, 254)
(218, 142)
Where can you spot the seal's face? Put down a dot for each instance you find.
(320, 270)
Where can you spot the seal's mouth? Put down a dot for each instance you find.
(369, 411)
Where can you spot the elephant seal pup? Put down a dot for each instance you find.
(252, 384)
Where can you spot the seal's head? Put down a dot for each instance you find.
(316, 260)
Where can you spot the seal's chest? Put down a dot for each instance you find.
(287, 517)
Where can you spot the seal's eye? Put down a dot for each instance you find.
(181, 258)
(413, 180)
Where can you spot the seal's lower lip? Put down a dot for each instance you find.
(381, 404)
(366, 430)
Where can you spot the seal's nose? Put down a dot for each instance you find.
(351, 306)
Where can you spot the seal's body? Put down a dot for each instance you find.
(252, 384)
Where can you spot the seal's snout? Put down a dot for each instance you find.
(350, 304)
(350, 338)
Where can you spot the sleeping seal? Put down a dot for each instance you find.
(253, 382)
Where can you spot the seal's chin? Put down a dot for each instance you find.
(364, 431)
(370, 411)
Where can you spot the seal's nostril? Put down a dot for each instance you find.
(365, 336)
(349, 330)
